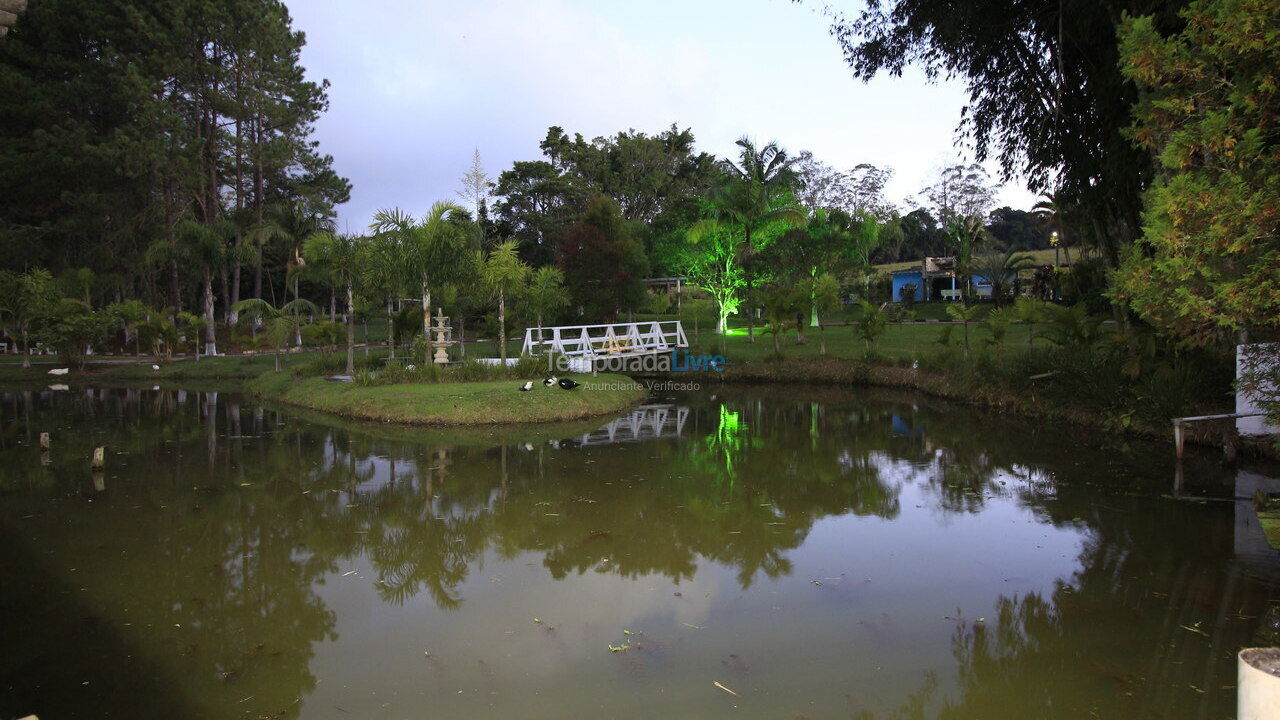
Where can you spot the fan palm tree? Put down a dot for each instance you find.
(997, 268)
(503, 272)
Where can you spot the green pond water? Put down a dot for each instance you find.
(786, 553)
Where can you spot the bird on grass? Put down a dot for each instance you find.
(569, 383)
(550, 381)
(155, 367)
(527, 386)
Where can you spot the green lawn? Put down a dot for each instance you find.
(899, 342)
(465, 403)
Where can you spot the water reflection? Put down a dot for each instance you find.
(866, 555)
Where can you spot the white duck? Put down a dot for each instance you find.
(59, 371)
(527, 386)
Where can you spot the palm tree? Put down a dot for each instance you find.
(503, 272)
(1030, 311)
(131, 314)
(547, 293)
(281, 322)
(1050, 210)
(289, 224)
(203, 247)
(965, 233)
(965, 314)
(998, 267)
(826, 297)
(22, 299)
(194, 324)
(434, 250)
(755, 195)
(340, 257)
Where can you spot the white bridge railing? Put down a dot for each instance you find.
(647, 422)
(612, 340)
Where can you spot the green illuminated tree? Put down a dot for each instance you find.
(709, 258)
(754, 194)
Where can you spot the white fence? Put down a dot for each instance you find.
(612, 340)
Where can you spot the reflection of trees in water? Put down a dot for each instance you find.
(1148, 626)
(215, 578)
(230, 516)
(630, 510)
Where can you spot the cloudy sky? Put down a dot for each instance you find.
(419, 84)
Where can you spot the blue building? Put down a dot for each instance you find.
(934, 279)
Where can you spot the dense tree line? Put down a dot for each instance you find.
(165, 146)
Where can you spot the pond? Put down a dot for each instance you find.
(797, 552)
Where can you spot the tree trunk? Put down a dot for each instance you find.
(391, 332)
(233, 316)
(822, 340)
(26, 348)
(225, 278)
(813, 299)
(351, 330)
(210, 339)
(800, 340)
(426, 324)
(297, 329)
(502, 326)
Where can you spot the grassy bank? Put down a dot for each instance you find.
(468, 403)
(231, 367)
(1104, 383)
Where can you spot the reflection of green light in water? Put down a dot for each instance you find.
(727, 440)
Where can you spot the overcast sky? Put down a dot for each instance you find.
(419, 84)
